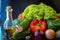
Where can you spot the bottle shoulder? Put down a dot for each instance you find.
(8, 22)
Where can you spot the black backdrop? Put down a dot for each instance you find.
(20, 5)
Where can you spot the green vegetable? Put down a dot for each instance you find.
(50, 13)
(41, 11)
(21, 22)
(31, 12)
(47, 11)
(15, 22)
(54, 24)
(20, 35)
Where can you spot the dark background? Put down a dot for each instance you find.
(20, 5)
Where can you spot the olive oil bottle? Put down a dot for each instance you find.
(8, 30)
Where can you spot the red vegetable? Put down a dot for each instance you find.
(37, 25)
(57, 15)
(20, 15)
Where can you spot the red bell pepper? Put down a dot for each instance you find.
(37, 25)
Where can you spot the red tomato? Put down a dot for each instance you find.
(20, 15)
(57, 16)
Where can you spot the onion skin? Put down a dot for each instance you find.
(58, 34)
(50, 34)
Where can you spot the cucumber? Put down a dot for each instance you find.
(20, 35)
(21, 22)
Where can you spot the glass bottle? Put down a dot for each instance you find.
(8, 30)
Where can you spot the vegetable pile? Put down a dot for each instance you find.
(36, 18)
(40, 11)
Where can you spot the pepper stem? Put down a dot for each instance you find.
(38, 24)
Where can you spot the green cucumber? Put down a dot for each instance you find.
(20, 35)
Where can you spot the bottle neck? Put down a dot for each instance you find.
(9, 15)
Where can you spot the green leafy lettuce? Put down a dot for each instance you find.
(41, 11)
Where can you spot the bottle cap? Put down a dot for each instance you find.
(9, 8)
